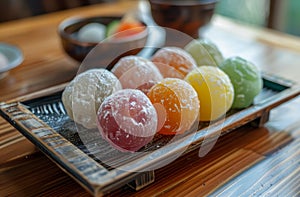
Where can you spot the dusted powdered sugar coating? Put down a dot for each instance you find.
(176, 103)
(205, 52)
(67, 99)
(135, 72)
(215, 91)
(127, 120)
(86, 92)
(246, 80)
(173, 62)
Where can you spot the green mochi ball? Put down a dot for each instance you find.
(245, 78)
(205, 52)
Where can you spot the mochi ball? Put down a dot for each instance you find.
(205, 52)
(84, 95)
(127, 120)
(92, 32)
(246, 79)
(173, 62)
(136, 72)
(215, 91)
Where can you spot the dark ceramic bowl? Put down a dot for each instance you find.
(186, 16)
(78, 50)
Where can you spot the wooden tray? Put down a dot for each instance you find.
(41, 118)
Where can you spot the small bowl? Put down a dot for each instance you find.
(12, 56)
(78, 50)
(185, 16)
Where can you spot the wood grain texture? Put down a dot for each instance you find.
(246, 162)
(188, 175)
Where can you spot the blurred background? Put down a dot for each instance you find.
(16, 9)
(282, 15)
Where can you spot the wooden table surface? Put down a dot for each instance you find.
(249, 161)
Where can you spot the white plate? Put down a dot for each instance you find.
(13, 56)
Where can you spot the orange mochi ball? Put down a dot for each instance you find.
(173, 62)
(215, 91)
(136, 72)
(177, 105)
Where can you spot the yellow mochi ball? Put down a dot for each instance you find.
(215, 91)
